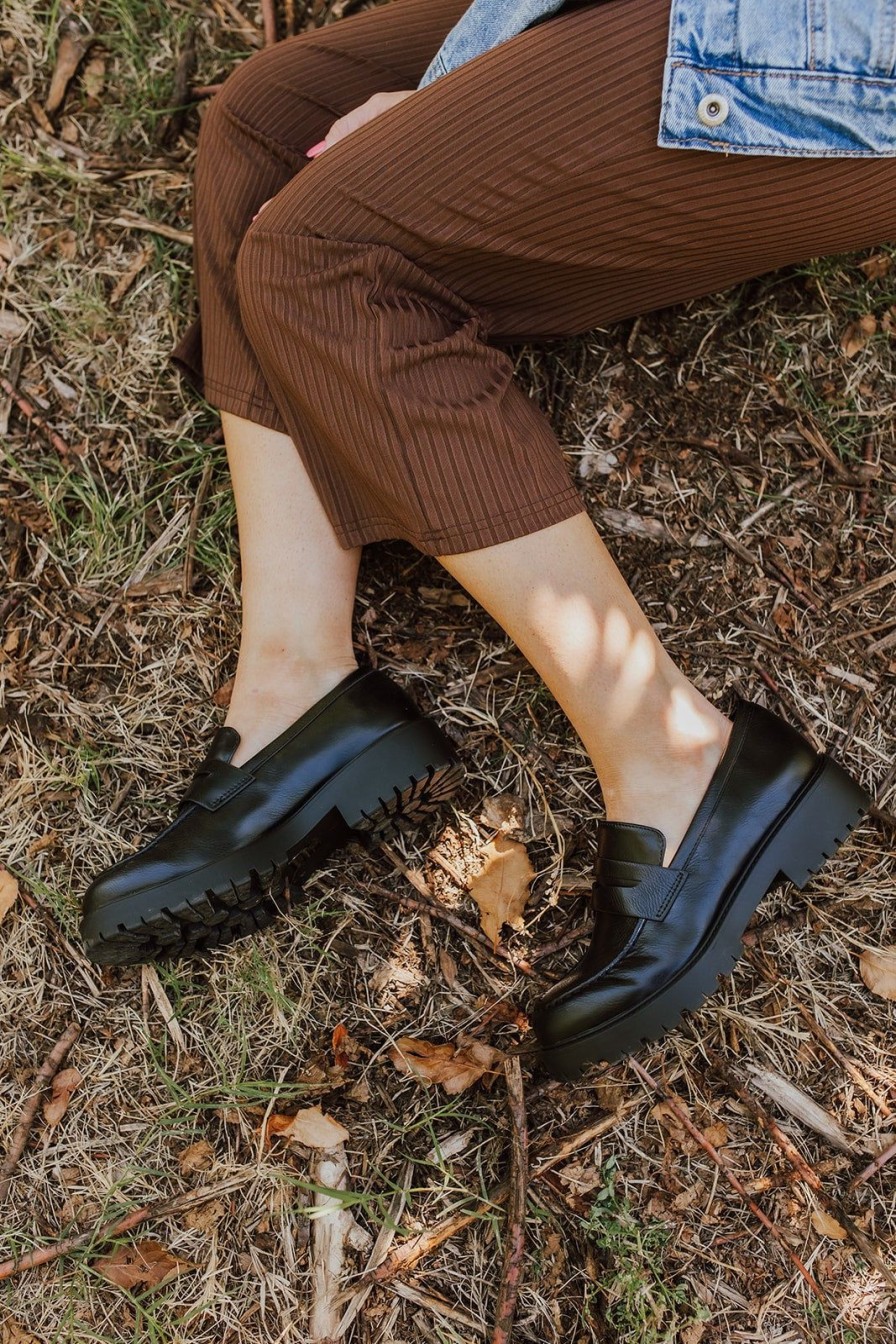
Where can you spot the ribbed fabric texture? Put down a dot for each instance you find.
(520, 196)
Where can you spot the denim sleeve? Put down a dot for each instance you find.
(484, 24)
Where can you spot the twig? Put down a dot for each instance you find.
(584, 1136)
(434, 907)
(193, 526)
(25, 406)
(873, 1167)
(846, 1064)
(516, 1210)
(45, 1075)
(500, 958)
(406, 1255)
(86, 968)
(104, 1231)
(677, 1108)
(172, 125)
(788, 1148)
(269, 19)
(384, 1240)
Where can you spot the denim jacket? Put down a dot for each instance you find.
(798, 77)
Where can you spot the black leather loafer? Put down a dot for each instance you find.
(359, 762)
(774, 809)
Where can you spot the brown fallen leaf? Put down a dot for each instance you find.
(12, 1332)
(826, 1226)
(63, 1086)
(197, 1156)
(876, 266)
(501, 888)
(9, 890)
(12, 325)
(93, 77)
(74, 41)
(455, 1066)
(309, 1127)
(856, 334)
(146, 1264)
(505, 812)
(629, 524)
(345, 1047)
(877, 967)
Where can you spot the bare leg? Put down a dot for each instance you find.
(653, 738)
(298, 587)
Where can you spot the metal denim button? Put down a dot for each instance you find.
(713, 109)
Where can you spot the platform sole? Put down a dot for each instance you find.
(808, 833)
(393, 786)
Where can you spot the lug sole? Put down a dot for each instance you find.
(248, 890)
(809, 833)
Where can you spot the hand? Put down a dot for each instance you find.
(376, 103)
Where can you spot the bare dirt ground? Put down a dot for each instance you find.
(738, 454)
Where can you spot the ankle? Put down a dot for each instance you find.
(270, 694)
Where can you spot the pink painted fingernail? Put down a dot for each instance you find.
(315, 149)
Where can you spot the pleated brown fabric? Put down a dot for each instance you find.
(520, 196)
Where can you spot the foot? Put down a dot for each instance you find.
(271, 690)
(360, 760)
(663, 934)
(665, 790)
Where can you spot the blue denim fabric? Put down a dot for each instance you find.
(798, 77)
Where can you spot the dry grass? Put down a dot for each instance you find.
(760, 540)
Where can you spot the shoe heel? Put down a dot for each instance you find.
(832, 806)
(424, 770)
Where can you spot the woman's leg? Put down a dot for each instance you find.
(298, 588)
(373, 289)
(653, 738)
(298, 582)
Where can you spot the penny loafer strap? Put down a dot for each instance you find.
(215, 783)
(640, 890)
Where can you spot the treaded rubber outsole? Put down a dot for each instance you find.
(223, 913)
(843, 803)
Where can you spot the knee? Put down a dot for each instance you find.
(247, 100)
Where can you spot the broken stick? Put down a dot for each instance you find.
(45, 1075)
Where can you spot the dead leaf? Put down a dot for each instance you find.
(198, 1156)
(74, 41)
(345, 1047)
(857, 334)
(146, 1264)
(629, 524)
(877, 967)
(501, 888)
(12, 326)
(619, 421)
(221, 696)
(11, 1332)
(309, 1127)
(448, 967)
(205, 1216)
(124, 282)
(455, 1066)
(63, 1086)
(504, 812)
(9, 890)
(876, 266)
(93, 77)
(826, 1226)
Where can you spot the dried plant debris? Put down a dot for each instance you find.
(737, 454)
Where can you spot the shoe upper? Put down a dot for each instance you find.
(649, 920)
(227, 806)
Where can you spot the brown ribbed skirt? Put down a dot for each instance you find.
(521, 196)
